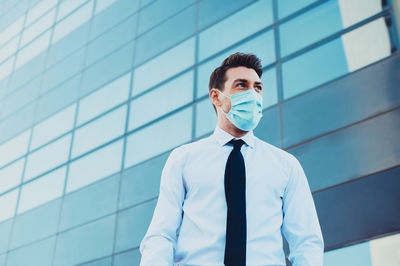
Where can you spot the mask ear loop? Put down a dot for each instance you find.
(220, 106)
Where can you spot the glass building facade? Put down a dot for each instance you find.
(94, 94)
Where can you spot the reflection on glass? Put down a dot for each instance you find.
(10, 176)
(162, 100)
(7, 204)
(39, 9)
(66, 6)
(38, 27)
(14, 148)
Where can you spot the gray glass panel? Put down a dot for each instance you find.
(355, 151)
(141, 182)
(90, 203)
(85, 243)
(132, 225)
(342, 102)
(35, 224)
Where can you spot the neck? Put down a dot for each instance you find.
(231, 129)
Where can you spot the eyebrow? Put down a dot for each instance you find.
(245, 80)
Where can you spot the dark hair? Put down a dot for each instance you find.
(218, 78)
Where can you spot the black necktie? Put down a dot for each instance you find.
(235, 188)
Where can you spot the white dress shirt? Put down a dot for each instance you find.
(188, 226)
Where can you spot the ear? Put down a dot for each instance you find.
(214, 96)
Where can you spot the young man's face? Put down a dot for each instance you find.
(237, 79)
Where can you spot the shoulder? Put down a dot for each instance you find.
(183, 151)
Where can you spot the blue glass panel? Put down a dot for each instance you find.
(270, 89)
(165, 65)
(14, 148)
(166, 35)
(355, 255)
(139, 150)
(287, 7)
(206, 118)
(99, 131)
(316, 24)
(101, 262)
(167, 98)
(235, 28)
(58, 98)
(210, 10)
(39, 253)
(313, 68)
(158, 11)
(8, 203)
(5, 230)
(101, 72)
(132, 225)
(112, 15)
(90, 203)
(35, 224)
(262, 46)
(95, 166)
(17, 122)
(111, 40)
(88, 242)
(269, 127)
(141, 182)
(129, 258)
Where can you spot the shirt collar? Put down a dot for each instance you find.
(224, 137)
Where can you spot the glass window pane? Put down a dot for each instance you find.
(42, 190)
(53, 127)
(88, 242)
(11, 30)
(38, 27)
(166, 65)
(287, 7)
(99, 131)
(270, 89)
(11, 175)
(104, 99)
(39, 253)
(7, 204)
(14, 148)
(206, 118)
(39, 10)
(9, 49)
(366, 44)
(167, 98)
(6, 67)
(103, 4)
(357, 10)
(155, 139)
(33, 49)
(73, 21)
(262, 46)
(357, 255)
(310, 27)
(235, 28)
(313, 68)
(95, 166)
(47, 157)
(66, 6)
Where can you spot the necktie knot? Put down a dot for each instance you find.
(237, 144)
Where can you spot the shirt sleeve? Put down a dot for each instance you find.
(158, 245)
(300, 226)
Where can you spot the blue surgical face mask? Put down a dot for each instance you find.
(246, 109)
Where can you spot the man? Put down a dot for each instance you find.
(225, 199)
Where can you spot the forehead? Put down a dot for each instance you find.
(241, 72)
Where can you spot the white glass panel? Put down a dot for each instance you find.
(162, 100)
(7, 204)
(99, 131)
(33, 49)
(11, 30)
(366, 44)
(6, 67)
(53, 127)
(10, 48)
(38, 27)
(14, 148)
(356, 10)
(67, 6)
(47, 157)
(164, 66)
(103, 99)
(103, 4)
(95, 166)
(73, 21)
(385, 250)
(42, 190)
(11, 175)
(39, 10)
(159, 137)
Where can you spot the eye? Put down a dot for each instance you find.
(259, 88)
(239, 84)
